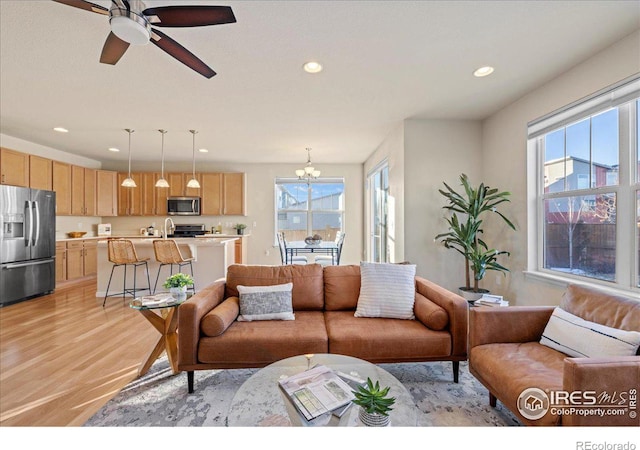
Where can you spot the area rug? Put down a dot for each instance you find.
(160, 399)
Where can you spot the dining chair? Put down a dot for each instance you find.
(167, 254)
(122, 252)
(327, 260)
(284, 258)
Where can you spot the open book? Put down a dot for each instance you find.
(317, 391)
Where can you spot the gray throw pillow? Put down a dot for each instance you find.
(266, 302)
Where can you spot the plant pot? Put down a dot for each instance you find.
(470, 295)
(178, 292)
(240, 231)
(373, 420)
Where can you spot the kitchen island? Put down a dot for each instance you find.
(211, 256)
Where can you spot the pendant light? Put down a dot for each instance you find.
(193, 183)
(162, 183)
(128, 182)
(309, 172)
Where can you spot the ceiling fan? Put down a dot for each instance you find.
(133, 23)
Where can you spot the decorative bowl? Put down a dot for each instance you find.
(76, 234)
(312, 241)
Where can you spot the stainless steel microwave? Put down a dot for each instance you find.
(183, 206)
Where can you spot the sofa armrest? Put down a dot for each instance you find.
(489, 325)
(457, 309)
(190, 313)
(615, 381)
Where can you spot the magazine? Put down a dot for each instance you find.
(317, 391)
(156, 300)
(491, 300)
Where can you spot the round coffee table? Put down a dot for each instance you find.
(261, 402)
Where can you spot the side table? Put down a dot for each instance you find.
(162, 315)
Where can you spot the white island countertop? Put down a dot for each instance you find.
(211, 256)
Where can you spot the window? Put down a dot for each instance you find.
(378, 181)
(588, 170)
(305, 209)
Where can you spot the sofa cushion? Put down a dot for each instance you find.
(265, 302)
(385, 340)
(430, 314)
(581, 338)
(216, 321)
(602, 307)
(507, 369)
(386, 290)
(341, 287)
(256, 344)
(307, 292)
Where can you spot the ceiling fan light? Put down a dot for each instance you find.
(128, 182)
(193, 183)
(162, 183)
(131, 29)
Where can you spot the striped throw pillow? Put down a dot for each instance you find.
(580, 338)
(386, 290)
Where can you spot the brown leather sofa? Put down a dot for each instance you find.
(324, 302)
(506, 357)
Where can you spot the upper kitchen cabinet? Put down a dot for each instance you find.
(83, 191)
(106, 193)
(62, 186)
(40, 173)
(130, 198)
(211, 193)
(233, 194)
(14, 167)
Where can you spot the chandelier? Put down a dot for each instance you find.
(309, 172)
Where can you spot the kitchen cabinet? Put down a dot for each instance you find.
(40, 173)
(14, 167)
(76, 259)
(241, 250)
(83, 191)
(61, 261)
(211, 192)
(178, 184)
(106, 193)
(130, 199)
(62, 186)
(233, 194)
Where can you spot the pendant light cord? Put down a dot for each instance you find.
(129, 131)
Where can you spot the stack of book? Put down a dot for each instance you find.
(319, 391)
(491, 300)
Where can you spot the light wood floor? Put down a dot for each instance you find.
(63, 356)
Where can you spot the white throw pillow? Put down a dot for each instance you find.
(386, 290)
(580, 338)
(266, 302)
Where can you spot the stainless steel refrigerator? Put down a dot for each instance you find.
(27, 243)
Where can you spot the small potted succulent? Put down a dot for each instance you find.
(177, 284)
(374, 404)
(240, 228)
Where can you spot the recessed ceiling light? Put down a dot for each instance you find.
(312, 67)
(61, 130)
(483, 71)
(113, 149)
(203, 150)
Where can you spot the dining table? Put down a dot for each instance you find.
(293, 248)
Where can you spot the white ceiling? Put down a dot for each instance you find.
(385, 61)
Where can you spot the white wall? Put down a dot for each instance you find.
(391, 150)
(260, 217)
(436, 151)
(504, 157)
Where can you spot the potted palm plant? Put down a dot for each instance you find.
(464, 235)
(374, 403)
(240, 228)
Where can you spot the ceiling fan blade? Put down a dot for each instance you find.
(180, 53)
(189, 16)
(87, 6)
(113, 49)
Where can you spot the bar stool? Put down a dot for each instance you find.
(121, 252)
(168, 253)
